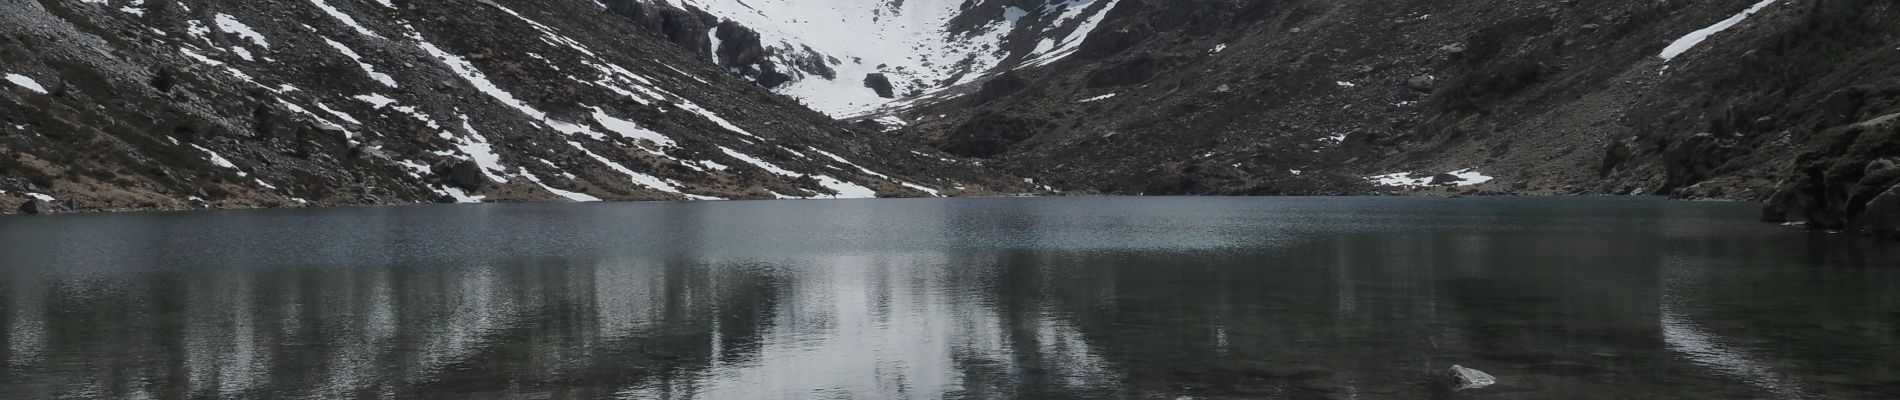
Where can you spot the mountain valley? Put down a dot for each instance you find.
(158, 104)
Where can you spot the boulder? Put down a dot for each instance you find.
(1446, 179)
(467, 175)
(36, 206)
(1459, 379)
(1422, 83)
(999, 87)
(880, 84)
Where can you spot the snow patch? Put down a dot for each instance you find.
(344, 18)
(629, 129)
(846, 190)
(638, 178)
(136, 8)
(375, 100)
(1690, 41)
(1052, 50)
(231, 25)
(1468, 177)
(478, 150)
(219, 160)
(1098, 98)
(338, 114)
(868, 171)
(570, 195)
(762, 164)
(25, 82)
(242, 53)
(197, 29)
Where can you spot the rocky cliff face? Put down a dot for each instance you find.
(167, 104)
(1738, 99)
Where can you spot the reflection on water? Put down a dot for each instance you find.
(976, 298)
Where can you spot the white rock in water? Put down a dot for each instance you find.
(1459, 379)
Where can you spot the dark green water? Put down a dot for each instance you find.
(973, 298)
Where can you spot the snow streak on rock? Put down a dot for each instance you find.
(868, 171)
(25, 82)
(367, 69)
(1690, 41)
(230, 24)
(1051, 50)
(344, 18)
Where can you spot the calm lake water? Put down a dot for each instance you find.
(968, 298)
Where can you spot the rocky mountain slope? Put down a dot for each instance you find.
(172, 104)
(1790, 100)
(167, 104)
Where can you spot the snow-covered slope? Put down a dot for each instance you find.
(920, 45)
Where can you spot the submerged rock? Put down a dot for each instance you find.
(1882, 215)
(1458, 379)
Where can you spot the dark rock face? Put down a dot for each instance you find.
(880, 84)
(688, 27)
(1695, 159)
(36, 206)
(990, 134)
(1187, 179)
(999, 87)
(467, 175)
(743, 50)
(1126, 73)
(810, 62)
(1105, 44)
(1614, 156)
(739, 46)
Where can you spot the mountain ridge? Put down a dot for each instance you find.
(173, 105)
(1743, 100)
